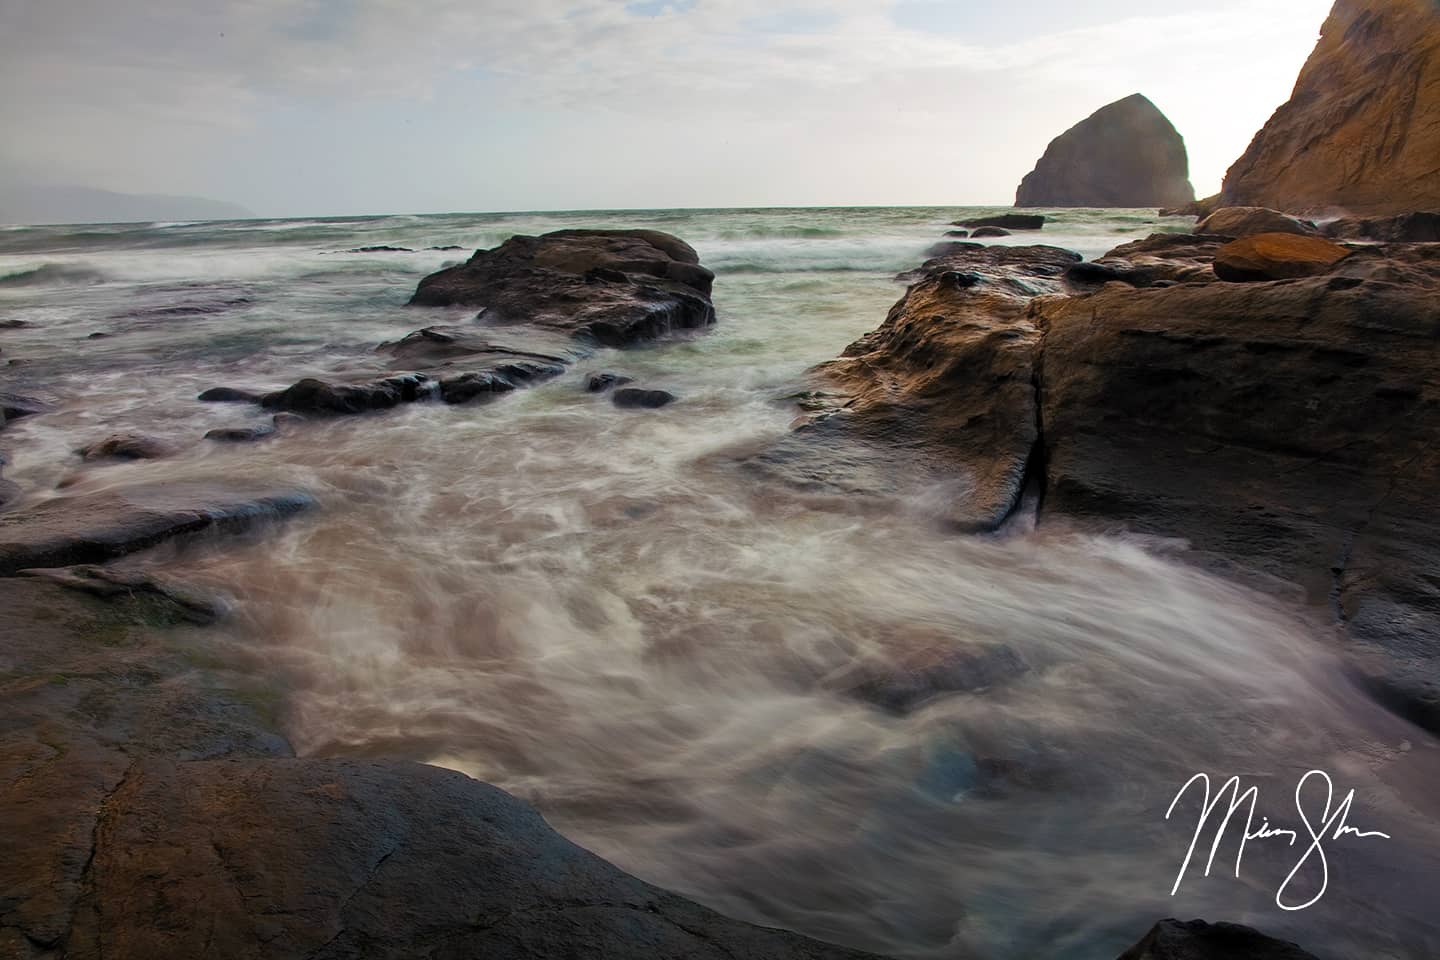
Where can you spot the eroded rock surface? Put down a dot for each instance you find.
(615, 287)
(1361, 133)
(1247, 221)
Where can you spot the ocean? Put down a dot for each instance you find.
(603, 612)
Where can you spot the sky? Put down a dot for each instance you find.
(334, 107)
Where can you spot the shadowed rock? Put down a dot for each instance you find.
(983, 232)
(635, 398)
(1198, 940)
(93, 528)
(1126, 154)
(1007, 221)
(315, 396)
(240, 434)
(229, 395)
(1361, 133)
(13, 407)
(615, 287)
(600, 382)
(1406, 228)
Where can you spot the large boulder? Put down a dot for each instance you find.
(1247, 221)
(1277, 256)
(615, 287)
(1361, 132)
(93, 528)
(1126, 154)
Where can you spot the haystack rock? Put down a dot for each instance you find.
(1362, 130)
(1124, 155)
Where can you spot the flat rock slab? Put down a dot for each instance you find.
(1277, 256)
(614, 287)
(93, 528)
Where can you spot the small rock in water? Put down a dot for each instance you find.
(126, 446)
(228, 395)
(635, 398)
(958, 234)
(11, 323)
(990, 232)
(600, 382)
(1007, 221)
(285, 419)
(239, 434)
(381, 248)
(98, 335)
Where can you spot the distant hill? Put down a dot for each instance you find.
(35, 204)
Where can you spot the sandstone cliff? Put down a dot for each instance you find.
(1126, 154)
(1361, 132)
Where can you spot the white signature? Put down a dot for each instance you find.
(1331, 825)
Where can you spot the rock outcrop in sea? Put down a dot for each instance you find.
(1127, 154)
(1283, 427)
(1361, 133)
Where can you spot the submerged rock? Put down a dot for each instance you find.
(240, 434)
(315, 396)
(107, 583)
(615, 287)
(600, 382)
(1198, 940)
(1248, 221)
(1361, 132)
(1277, 256)
(13, 406)
(1126, 154)
(93, 528)
(982, 232)
(127, 446)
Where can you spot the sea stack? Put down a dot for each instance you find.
(1361, 132)
(1127, 154)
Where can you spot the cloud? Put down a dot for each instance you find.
(170, 95)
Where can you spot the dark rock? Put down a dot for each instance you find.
(959, 234)
(284, 420)
(1277, 256)
(93, 528)
(941, 397)
(229, 395)
(98, 335)
(983, 232)
(613, 286)
(1301, 417)
(635, 398)
(240, 434)
(13, 406)
(1248, 221)
(381, 248)
(600, 382)
(1007, 221)
(451, 246)
(13, 323)
(1361, 131)
(1406, 228)
(319, 397)
(442, 346)
(127, 446)
(1200, 209)
(110, 584)
(1198, 940)
(1124, 155)
(10, 491)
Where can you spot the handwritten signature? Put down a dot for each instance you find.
(1330, 825)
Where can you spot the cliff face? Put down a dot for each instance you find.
(1124, 155)
(1361, 132)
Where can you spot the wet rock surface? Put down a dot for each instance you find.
(93, 528)
(128, 446)
(1280, 427)
(1247, 221)
(1277, 256)
(635, 398)
(1007, 221)
(615, 287)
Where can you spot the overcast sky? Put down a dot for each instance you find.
(312, 107)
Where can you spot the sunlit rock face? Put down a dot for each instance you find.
(1126, 154)
(1361, 132)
